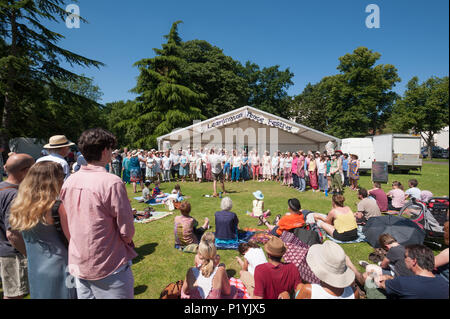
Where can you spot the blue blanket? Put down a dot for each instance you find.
(361, 238)
(243, 237)
(151, 201)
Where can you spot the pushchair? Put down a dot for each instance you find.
(430, 216)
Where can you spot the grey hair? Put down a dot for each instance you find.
(226, 204)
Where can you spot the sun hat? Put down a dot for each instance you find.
(275, 247)
(258, 195)
(327, 262)
(58, 141)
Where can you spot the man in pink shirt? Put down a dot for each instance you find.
(101, 223)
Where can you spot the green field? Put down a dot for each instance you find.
(159, 263)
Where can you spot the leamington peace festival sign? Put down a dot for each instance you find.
(251, 116)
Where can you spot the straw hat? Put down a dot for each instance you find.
(327, 262)
(58, 141)
(275, 247)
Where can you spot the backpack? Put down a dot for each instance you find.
(57, 223)
(172, 290)
(307, 235)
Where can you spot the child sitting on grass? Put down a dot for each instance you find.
(258, 207)
(146, 192)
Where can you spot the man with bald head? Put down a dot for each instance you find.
(13, 262)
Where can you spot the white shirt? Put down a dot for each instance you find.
(322, 167)
(275, 162)
(216, 163)
(236, 161)
(54, 157)
(413, 192)
(166, 161)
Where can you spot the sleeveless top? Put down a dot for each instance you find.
(204, 285)
(257, 207)
(345, 222)
(317, 292)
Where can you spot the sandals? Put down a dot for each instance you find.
(277, 219)
(262, 220)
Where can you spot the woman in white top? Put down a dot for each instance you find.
(253, 256)
(267, 170)
(275, 165)
(158, 166)
(287, 169)
(209, 280)
(322, 172)
(199, 167)
(255, 166)
(150, 166)
(192, 159)
(236, 163)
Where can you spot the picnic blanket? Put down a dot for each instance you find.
(261, 236)
(155, 216)
(242, 292)
(243, 237)
(296, 252)
(361, 238)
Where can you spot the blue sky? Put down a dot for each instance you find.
(306, 36)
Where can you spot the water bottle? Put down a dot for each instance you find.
(326, 193)
(220, 194)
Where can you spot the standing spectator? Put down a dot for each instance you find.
(396, 196)
(217, 171)
(367, 207)
(192, 159)
(236, 167)
(158, 166)
(167, 166)
(245, 175)
(58, 148)
(275, 164)
(126, 168)
(266, 162)
(116, 164)
(38, 214)
(345, 168)
(255, 165)
(294, 171)
(380, 196)
(142, 156)
(274, 277)
(353, 174)
(175, 164)
(312, 172)
(135, 171)
(13, 261)
(328, 262)
(322, 171)
(150, 167)
(281, 170)
(101, 223)
(288, 169)
(301, 171)
(184, 166)
(336, 179)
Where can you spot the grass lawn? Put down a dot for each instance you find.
(159, 263)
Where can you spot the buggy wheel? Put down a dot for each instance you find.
(411, 210)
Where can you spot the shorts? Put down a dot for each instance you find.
(218, 176)
(14, 275)
(346, 236)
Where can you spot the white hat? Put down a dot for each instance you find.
(328, 262)
(58, 141)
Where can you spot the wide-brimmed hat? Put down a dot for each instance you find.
(327, 262)
(258, 195)
(58, 141)
(275, 247)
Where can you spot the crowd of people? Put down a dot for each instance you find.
(67, 232)
(321, 172)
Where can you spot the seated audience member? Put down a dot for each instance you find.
(442, 259)
(340, 222)
(328, 262)
(380, 196)
(413, 190)
(156, 192)
(185, 228)
(367, 207)
(209, 280)
(394, 262)
(253, 256)
(275, 277)
(396, 196)
(293, 219)
(146, 192)
(226, 223)
(258, 206)
(423, 284)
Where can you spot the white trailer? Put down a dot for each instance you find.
(400, 151)
(363, 147)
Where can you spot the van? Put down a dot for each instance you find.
(363, 148)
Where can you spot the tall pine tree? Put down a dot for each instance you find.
(165, 101)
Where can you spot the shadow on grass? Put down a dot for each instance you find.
(140, 289)
(143, 251)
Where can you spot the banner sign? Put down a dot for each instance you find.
(251, 116)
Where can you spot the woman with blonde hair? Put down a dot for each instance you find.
(38, 213)
(209, 280)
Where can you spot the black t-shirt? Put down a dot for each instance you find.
(7, 193)
(396, 256)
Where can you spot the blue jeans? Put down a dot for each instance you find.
(323, 182)
(235, 174)
(295, 180)
(302, 183)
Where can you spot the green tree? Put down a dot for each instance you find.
(268, 88)
(165, 102)
(424, 109)
(30, 61)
